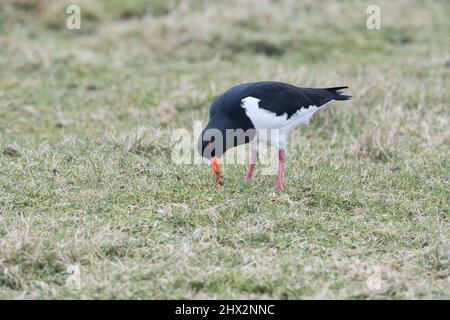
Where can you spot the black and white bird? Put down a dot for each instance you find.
(253, 107)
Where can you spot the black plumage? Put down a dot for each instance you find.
(277, 97)
(260, 105)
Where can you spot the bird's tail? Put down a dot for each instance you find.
(337, 93)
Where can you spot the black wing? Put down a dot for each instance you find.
(277, 97)
(282, 98)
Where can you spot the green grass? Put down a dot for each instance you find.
(86, 175)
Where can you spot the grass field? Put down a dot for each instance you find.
(86, 177)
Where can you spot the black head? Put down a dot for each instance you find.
(222, 134)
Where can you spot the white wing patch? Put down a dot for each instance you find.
(265, 119)
(262, 118)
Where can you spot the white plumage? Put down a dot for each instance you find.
(268, 120)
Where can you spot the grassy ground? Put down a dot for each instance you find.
(86, 176)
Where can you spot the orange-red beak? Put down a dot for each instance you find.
(215, 165)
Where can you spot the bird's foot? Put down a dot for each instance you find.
(219, 181)
(248, 178)
(280, 186)
(249, 175)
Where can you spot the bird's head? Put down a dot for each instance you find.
(212, 144)
(219, 135)
(213, 141)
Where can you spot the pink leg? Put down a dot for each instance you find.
(281, 158)
(251, 168)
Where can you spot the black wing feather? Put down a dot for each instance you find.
(277, 97)
(285, 98)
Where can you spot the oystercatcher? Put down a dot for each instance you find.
(249, 108)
